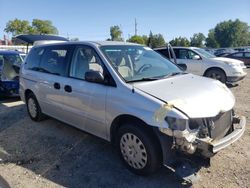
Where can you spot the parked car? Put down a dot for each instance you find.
(202, 63)
(219, 51)
(133, 97)
(243, 56)
(10, 62)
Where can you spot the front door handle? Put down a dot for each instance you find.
(68, 88)
(57, 85)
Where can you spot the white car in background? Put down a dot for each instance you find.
(202, 63)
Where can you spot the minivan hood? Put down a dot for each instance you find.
(196, 96)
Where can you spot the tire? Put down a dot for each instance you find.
(139, 149)
(33, 108)
(217, 74)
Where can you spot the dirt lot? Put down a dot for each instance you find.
(53, 154)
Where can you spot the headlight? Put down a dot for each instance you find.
(177, 124)
(233, 65)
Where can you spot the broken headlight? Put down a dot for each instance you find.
(176, 123)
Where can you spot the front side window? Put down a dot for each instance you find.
(135, 63)
(186, 54)
(85, 59)
(204, 53)
(55, 60)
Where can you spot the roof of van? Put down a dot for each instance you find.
(174, 47)
(95, 43)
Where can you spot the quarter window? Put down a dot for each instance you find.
(33, 59)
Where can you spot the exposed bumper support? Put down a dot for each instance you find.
(230, 138)
(209, 147)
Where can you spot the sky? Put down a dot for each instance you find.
(91, 19)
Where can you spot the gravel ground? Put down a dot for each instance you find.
(53, 154)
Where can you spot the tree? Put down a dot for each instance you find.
(16, 27)
(197, 40)
(180, 41)
(156, 40)
(145, 39)
(136, 39)
(232, 33)
(116, 33)
(43, 27)
(210, 40)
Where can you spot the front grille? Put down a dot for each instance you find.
(222, 124)
(216, 127)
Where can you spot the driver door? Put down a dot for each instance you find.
(86, 100)
(188, 57)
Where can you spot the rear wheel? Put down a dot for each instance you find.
(33, 108)
(216, 74)
(139, 150)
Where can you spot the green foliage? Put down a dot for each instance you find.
(116, 33)
(156, 40)
(197, 40)
(43, 27)
(136, 39)
(16, 27)
(180, 41)
(211, 41)
(232, 33)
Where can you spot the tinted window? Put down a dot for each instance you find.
(247, 54)
(237, 55)
(55, 60)
(33, 59)
(163, 52)
(85, 59)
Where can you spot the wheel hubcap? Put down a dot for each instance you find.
(133, 151)
(215, 76)
(32, 107)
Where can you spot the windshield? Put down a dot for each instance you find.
(204, 53)
(139, 63)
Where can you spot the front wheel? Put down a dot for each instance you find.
(139, 150)
(217, 75)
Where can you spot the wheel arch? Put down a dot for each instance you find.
(214, 68)
(26, 93)
(126, 118)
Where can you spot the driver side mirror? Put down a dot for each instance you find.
(94, 76)
(196, 57)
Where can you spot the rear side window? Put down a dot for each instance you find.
(55, 60)
(33, 59)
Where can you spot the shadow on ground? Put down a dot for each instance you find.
(67, 156)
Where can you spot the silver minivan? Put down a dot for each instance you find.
(133, 97)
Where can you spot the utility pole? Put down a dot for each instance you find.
(135, 27)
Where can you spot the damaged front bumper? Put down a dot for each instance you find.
(207, 147)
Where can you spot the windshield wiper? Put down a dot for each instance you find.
(142, 79)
